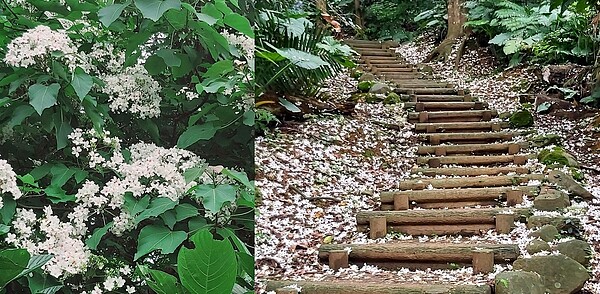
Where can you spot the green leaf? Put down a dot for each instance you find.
(198, 223)
(161, 282)
(12, 263)
(42, 97)
(20, 114)
(169, 56)
(155, 65)
(41, 283)
(8, 209)
(238, 176)
(196, 133)
(82, 83)
(35, 262)
(211, 267)
(156, 207)
(213, 198)
(219, 69)
(93, 241)
(61, 174)
(58, 195)
(301, 58)
(289, 105)
(154, 9)
(185, 210)
(62, 132)
(110, 13)
(134, 205)
(543, 107)
(227, 233)
(4, 229)
(154, 237)
(193, 173)
(240, 23)
(168, 217)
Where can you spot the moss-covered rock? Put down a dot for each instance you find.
(365, 86)
(380, 88)
(560, 274)
(366, 77)
(518, 282)
(392, 98)
(578, 250)
(536, 246)
(547, 233)
(521, 119)
(551, 199)
(356, 74)
(365, 97)
(557, 155)
(560, 222)
(568, 183)
(545, 140)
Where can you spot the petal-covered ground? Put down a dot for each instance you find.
(315, 175)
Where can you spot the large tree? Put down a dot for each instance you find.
(456, 20)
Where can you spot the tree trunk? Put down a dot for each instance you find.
(456, 21)
(358, 14)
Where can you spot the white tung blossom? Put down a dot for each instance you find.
(8, 181)
(36, 45)
(133, 90)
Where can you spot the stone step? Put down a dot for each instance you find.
(472, 160)
(471, 221)
(452, 116)
(471, 149)
(438, 138)
(433, 106)
(451, 198)
(362, 287)
(460, 127)
(430, 91)
(441, 98)
(470, 172)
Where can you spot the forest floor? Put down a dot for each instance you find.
(315, 175)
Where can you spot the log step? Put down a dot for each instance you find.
(459, 127)
(392, 70)
(359, 287)
(374, 52)
(437, 138)
(472, 160)
(439, 150)
(422, 197)
(441, 98)
(416, 252)
(469, 172)
(452, 116)
(472, 221)
(420, 84)
(403, 77)
(393, 66)
(468, 182)
(432, 106)
(430, 91)
(381, 60)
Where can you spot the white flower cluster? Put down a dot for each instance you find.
(189, 94)
(133, 90)
(8, 181)
(91, 142)
(48, 235)
(245, 44)
(36, 45)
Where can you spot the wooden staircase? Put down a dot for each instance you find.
(452, 196)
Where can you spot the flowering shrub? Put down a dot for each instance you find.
(126, 131)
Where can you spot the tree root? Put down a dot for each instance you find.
(442, 51)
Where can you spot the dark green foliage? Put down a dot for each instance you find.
(392, 98)
(365, 86)
(402, 20)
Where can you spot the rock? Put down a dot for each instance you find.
(536, 246)
(560, 274)
(392, 98)
(550, 139)
(546, 233)
(365, 97)
(578, 250)
(551, 199)
(559, 222)
(518, 282)
(356, 74)
(557, 155)
(366, 77)
(380, 88)
(367, 192)
(568, 183)
(504, 115)
(521, 119)
(364, 86)
(426, 69)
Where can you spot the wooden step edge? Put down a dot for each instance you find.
(432, 161)
(456, 195)
(460, 171)
(441, 216)
(443, 127)
(468, 182)
(471, 149)
(361, 287)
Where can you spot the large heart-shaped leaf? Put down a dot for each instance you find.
(154, 9)
(12, 263)
(82, 83)
(210, 267)
(240, 23)
(110, 13)
(161, 282)
(213, 197)
(93, 241)
(42, 97)
(153, 237)
(156, 207)
(196, 133)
